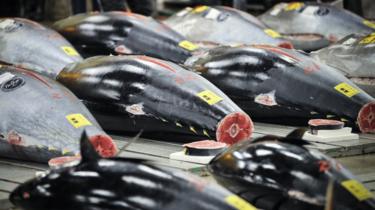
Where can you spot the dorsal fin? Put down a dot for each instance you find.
(134, 139)
(88, 152)
(297, 133)
(294, 137)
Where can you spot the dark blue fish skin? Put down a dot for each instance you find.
(223, 25)
(122, 33)
(121, 183)
(38, 118)
(331, 22)
(275, 173)
(146, 87)
(30, 45)
(267, 82)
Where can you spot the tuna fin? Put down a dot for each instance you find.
(294, 137)
(297, 133)
(134, 139)
(88, 152)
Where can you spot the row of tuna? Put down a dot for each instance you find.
(268, 173)
(193, 77)
(134, 92)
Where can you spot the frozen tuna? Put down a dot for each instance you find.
(41, 119)
(276, 83)
(224, 25)
(30, 45)
(354, 56)
(281, 173)
(155, 95)
(315, 18)
(124, 33)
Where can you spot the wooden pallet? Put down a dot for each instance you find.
(13, 172)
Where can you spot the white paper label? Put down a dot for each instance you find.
(310, 10)
(5, 77)
(5, 23)
(213, 14)
(350, 41)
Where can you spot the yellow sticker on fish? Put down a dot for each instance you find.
(294, 6)
(370, 39)
(357, 189)
(239, 203)
(272, 33)
(346, 89)
(188, 45)
(369, 24)
(209, 97)
(199, 9)
(78, 120)
(69, 51)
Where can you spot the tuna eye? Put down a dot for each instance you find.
(2, 136)
(26, 195)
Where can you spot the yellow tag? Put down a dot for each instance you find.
(188, 45)
(294, 6)
(357, 189)
(272, 33)
(78, 120)
(200, 9)
(210, 97)
(239, 203)
(346, 89)
(69, 50)
(370, 39)
(369, 24)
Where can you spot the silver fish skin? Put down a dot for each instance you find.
(223, 25)
(354, 56)
(314, 18)
(42, 120)
(31, 45)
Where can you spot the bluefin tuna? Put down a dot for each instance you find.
(41, 119)
(142, 89)
(281, 173)
(33, 46)
(271, 82)
(122, 183)
(124, 33)
(315, 18)
(224, 25)
(354, 56)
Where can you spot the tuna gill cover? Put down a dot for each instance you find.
(41, 119)
(157, 95)
(314, 18)
(270, 83)
(124, 33)
(354, 56)
(280, 173)
(224, 25)
(121, 183)
(33, 46)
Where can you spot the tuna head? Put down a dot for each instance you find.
(274, 171)
(30, 45)
(158, 89)
(41, 119)
(124, 33)
(121, 183)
